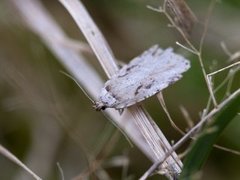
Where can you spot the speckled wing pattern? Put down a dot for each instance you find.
(143, 77)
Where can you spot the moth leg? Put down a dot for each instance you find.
(120, 111)
(98, 106)
(120, 64)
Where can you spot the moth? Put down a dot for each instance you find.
(145, 76)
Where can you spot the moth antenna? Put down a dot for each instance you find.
(83, 90)
(104, 113)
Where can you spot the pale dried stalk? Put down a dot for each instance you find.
(40, 156)
(206, 116)
(14, 159)
(192, 48)
(223, 69)
(156, 141)
(45, 140)
(163, 104)
(41, 23)
(93, 36)
(191, 132)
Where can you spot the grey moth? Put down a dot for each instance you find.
(146, 75)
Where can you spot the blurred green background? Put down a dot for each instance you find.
(45, 118)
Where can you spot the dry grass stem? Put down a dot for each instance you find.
(60, 171)
(225, 49)
(209, 85)
(235, 56)
(77, 45)
(135, 122)
(182, 16)
(157, 143)
(190, 125)
(28, 95)
(93, 35)
(187, 116)
(206, 116)
(14, 159)
(100, 157)
(163, 104)
(38, 20)
(223, 69)
(191, 132)
(191, 47)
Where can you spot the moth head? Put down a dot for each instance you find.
(98, 106)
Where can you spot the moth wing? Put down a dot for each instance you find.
(145, 75)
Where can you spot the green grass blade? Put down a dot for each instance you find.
(202, 147)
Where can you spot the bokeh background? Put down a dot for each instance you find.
(45, 119)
